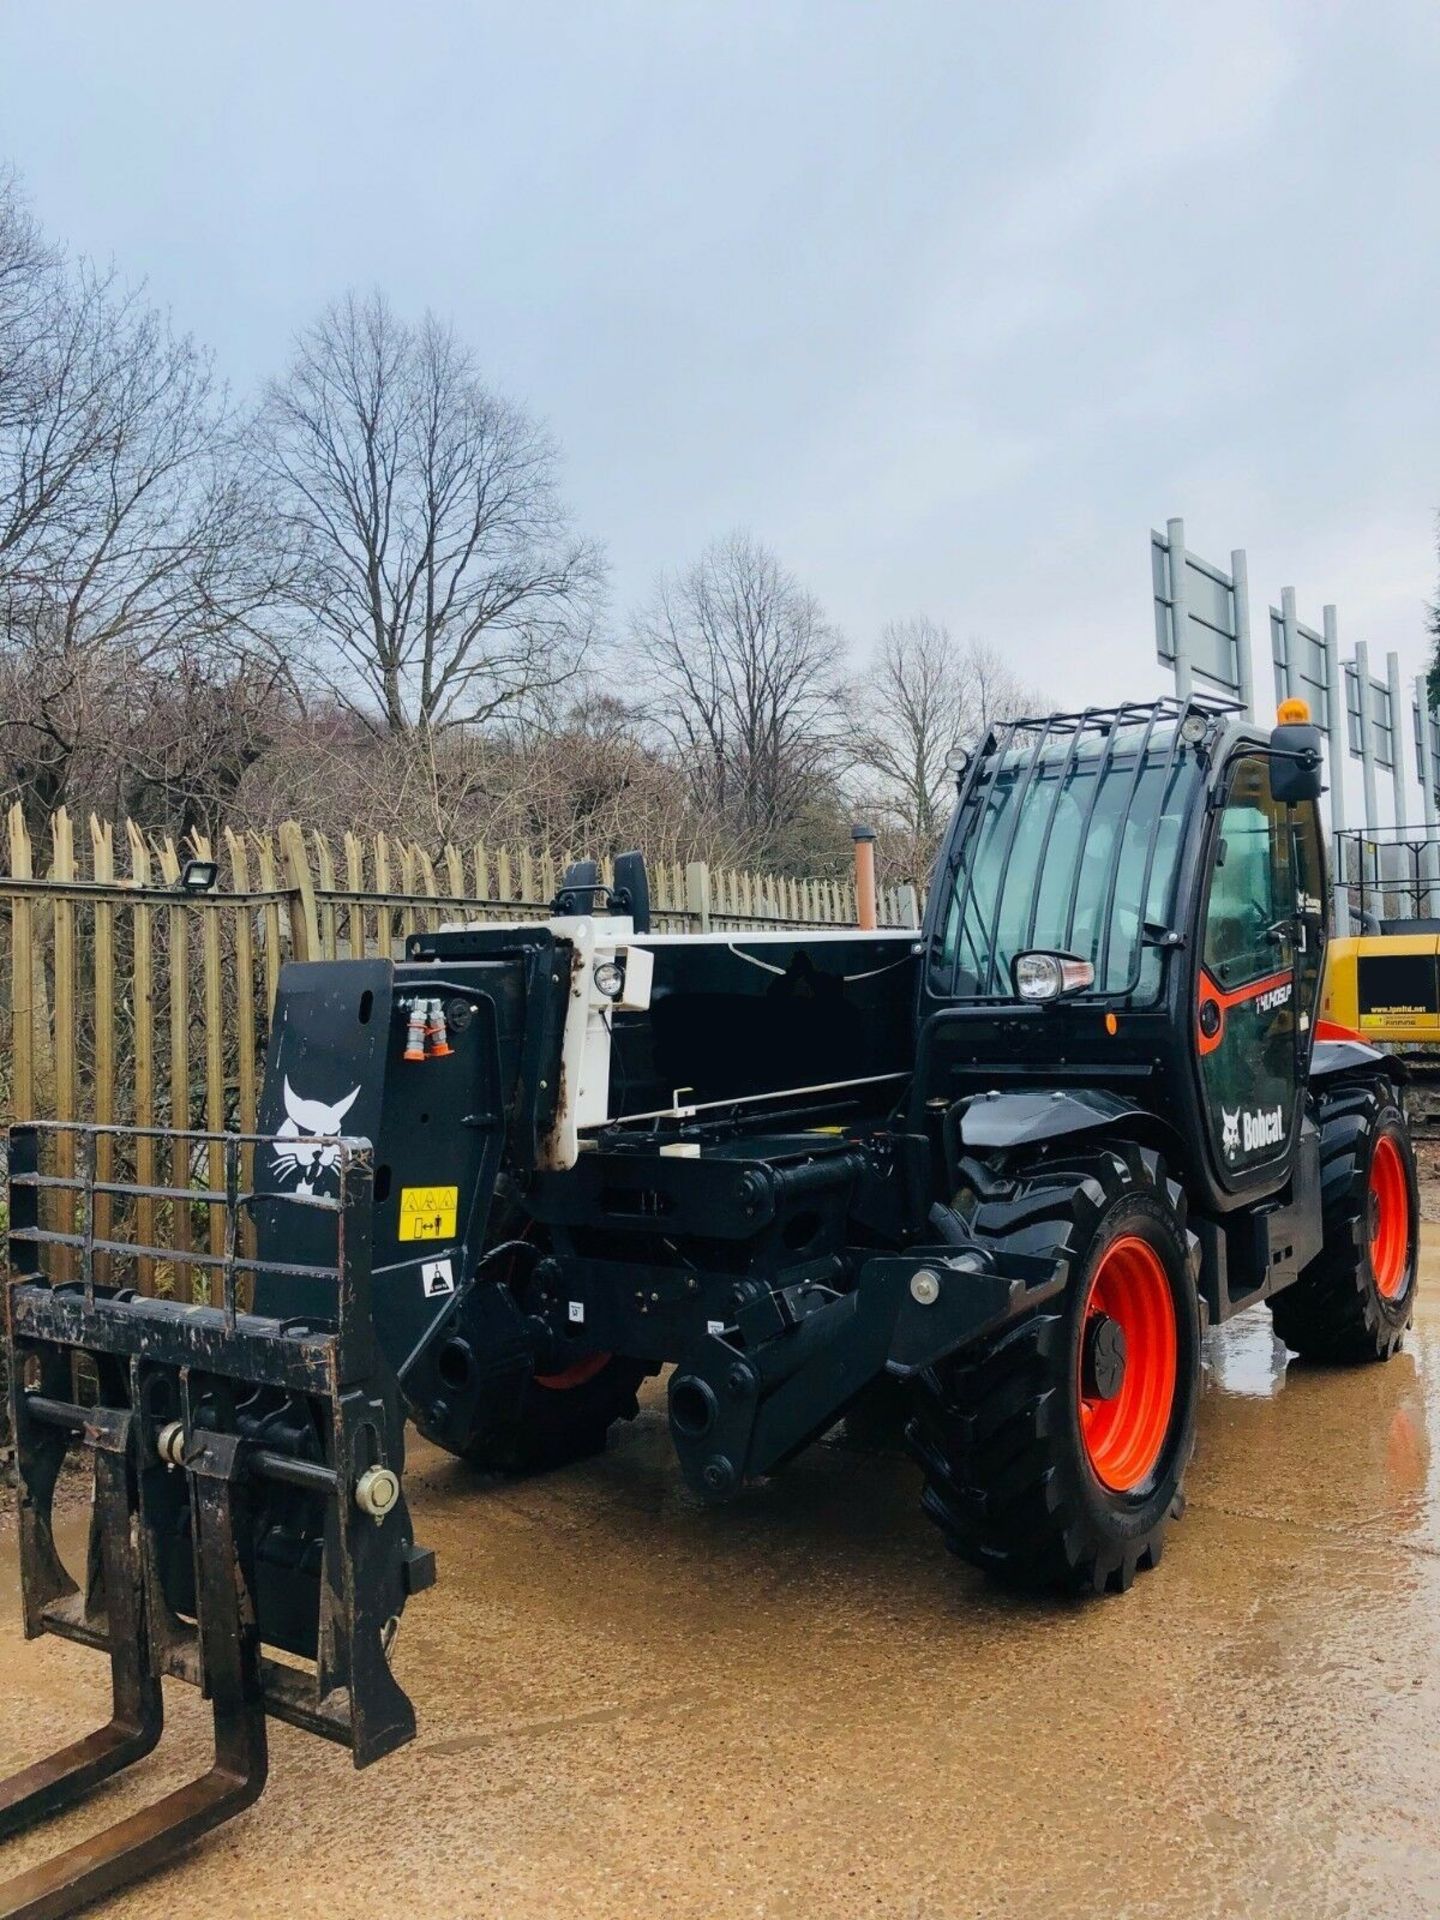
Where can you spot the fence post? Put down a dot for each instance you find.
(102, 866)
(66, 1010)
(213, 1000)
(697, 895)
(409, 886)
(142, 1105)
(909, 905)
(177, 925)
(22, 973)
(431, 886)
(355, 882)
(325, 918)
(270, 883)
(304, 924)
(67, 1014)
(244, 983)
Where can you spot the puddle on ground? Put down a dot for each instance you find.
(1245, 1357)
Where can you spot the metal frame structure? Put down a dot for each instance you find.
(1228, 624)
(1361, 715)
(1142, 720)
(1361, 864)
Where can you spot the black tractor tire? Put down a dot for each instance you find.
(1357, 1296)
(1006, 1431)
(557, 1417)
(562, 1418)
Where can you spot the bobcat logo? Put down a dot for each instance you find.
(1231, 1135)
(302, 1150)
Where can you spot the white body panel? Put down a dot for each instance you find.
(593, 940)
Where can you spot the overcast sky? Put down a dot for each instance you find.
(949, 303)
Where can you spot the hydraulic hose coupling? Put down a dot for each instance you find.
(437, 1040)
(415, 1032)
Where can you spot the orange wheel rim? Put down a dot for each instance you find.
(1124, 1435)
(1389, 1218)
(575, 1376)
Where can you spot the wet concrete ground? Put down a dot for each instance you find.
(801, 1706)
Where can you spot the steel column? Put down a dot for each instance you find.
(1179, 619)
(1425, 764)
(1397, 733)
(1244, 663)
(1335, 735)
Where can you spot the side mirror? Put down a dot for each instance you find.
(631, 892)
(578, 888)
(1295, 762)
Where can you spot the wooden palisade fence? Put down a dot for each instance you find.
(127, 1001)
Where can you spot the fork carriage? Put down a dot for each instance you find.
(247, 1491)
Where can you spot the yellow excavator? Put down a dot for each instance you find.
(1382, 982)
(1385, 984)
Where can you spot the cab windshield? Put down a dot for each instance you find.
(1069, 843)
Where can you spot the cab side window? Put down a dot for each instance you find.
(1252, 893)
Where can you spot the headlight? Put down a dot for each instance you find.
(1046, 976)
(610, 978)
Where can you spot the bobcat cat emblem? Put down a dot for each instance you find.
(301, 1148)
(1231, 1134)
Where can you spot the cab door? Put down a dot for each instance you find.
(1257, 980)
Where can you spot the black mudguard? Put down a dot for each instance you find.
(1331, 1059)
(995, 1122)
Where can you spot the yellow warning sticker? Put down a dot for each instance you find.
(428, 1213)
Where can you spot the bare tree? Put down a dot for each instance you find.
(131, 537)
(925, 694)
(51, 413)
(917, 706)
(28, 268)
(185, 745)
(743, 679)
(130, 518)
(440, 574)
(996, 691)
(168, 580)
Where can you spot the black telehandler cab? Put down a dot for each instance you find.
(1006, 1169)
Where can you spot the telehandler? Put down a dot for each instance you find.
(1011, 1166)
